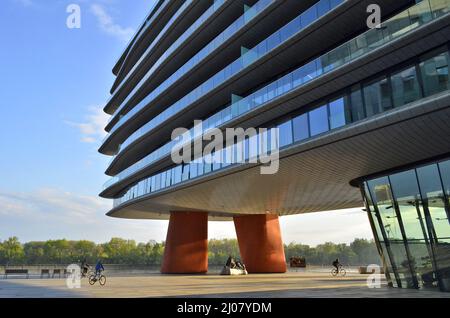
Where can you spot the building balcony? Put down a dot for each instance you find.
(319, 68)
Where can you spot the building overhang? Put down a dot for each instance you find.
(314, 175)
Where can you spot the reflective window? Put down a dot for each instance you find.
(379, 236)
(377, 97)
(177, 174)
(444, 168)
(168, 178)
(185, 175)
(318, 120)
(434, 72)
(434, 203)
(412, 209)
(200, 168)
(207, 165)
(407, 196)
(433, 200)
(381, 194)
(163, 180)
(405, 87)
(337, 113)
(357, 105)
(285, 133)
(301, 127)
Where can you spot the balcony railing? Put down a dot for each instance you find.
(206, 15)
(144, 25)
(279, 37)
(411, 19)
(195, 60)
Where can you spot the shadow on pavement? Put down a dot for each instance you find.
(25, 288)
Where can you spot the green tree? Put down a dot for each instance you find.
(34, 252)
(85, 250)
(120, 251)
(12, 251)
(365, 251)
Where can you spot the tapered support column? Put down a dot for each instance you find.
(260, 243)
(186, 249)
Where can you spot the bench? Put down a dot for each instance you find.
(16, 272)
(45, 272)
(56, 272)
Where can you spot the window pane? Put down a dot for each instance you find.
(177, 174)
(434, 203)
(318, 120)
(406, 193)
(337, 113)
(379, 236)
(193, 170)
(168, 178)
(357, 106)
(434, 73)
(381, 194)
(301, 127)
(444, 168)
(377, 97)
(285, 133)
(405, 87)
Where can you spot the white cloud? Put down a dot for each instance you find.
(92, 130)
(49, 213)
(340, 226)
(107, 24)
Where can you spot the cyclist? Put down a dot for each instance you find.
(84, 267)
(99, 268)
(337, 264)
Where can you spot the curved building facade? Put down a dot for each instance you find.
(337, 105)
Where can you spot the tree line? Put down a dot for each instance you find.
(121, 251)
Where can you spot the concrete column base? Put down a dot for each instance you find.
(260, 243)
(186, 249)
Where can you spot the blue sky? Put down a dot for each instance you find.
(55, 81)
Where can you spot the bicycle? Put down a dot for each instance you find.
(338, 271)
(86, 272)
(97, 277)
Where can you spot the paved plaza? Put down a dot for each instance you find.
(293, 284)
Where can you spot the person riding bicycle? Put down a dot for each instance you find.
(84, 267)
(337, 264)
(99, 268)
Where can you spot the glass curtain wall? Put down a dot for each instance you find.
(409, 212)
(351, 105)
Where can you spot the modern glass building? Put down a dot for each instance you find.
(409, 214)
(346, 108)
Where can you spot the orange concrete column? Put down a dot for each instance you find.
(186, 249)
(260, 243)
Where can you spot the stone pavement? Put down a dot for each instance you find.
(293, 284)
